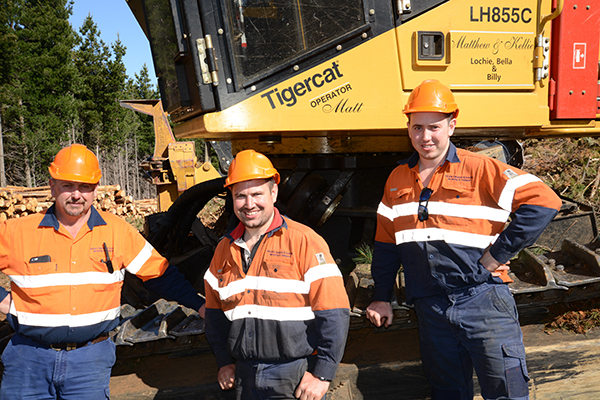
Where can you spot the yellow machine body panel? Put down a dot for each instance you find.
(296, 81)
(491, 54)
(339, 94)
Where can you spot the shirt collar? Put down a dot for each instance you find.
(277, 223)
(412, 161)
(51, 220)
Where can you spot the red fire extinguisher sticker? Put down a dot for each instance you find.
(579, 55)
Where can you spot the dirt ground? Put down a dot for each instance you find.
(378, 365)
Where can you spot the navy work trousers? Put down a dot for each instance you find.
(265, 381)
(477, 327)
(36, 372)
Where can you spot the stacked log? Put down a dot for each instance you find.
(17, 201)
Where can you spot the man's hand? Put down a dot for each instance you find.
(311, 388)
(202, 311)
(490, 263)
(380, 313)
(226, 377)
(5, 304)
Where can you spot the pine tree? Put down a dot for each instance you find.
(143, 89)
(41, 86)
(91, 59)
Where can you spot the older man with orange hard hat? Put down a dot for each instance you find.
(442, 217)
(277, 312)
(66, 267)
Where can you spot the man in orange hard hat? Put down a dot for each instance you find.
(66, 267)
(442, 218)
(277, 313)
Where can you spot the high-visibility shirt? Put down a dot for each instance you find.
(289, 304)
(62, 290)
(473, 197)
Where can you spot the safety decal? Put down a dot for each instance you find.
(321, 258)
(579, 55)
(510, 174)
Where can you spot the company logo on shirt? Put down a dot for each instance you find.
(279, 253)
(459, 178)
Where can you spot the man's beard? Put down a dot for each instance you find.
(75, 212)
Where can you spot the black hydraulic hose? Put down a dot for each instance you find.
(187, 205)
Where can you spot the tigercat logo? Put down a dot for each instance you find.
(289, 96)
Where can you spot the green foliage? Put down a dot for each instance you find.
(60, 86)
(37, 93)
(364, 254)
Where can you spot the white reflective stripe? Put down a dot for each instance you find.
(447, 209)
(270, 313)
(405, 209)
(272, 284)
(140, 259)
(211, 280)
(80, 278)
(467, 211)
(320, 272)
(259, 283)
(450, 237)
(508, 193)
(386, 212)
(54, 320)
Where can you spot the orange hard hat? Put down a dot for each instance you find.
(431, 96)
(248, 165)
(76, 163)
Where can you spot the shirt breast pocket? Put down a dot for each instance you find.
(39, 285)
(226, 274)
(401, 194)
(460, 202)
(279, 268)
(40, 265)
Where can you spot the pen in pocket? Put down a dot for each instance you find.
(108, 263)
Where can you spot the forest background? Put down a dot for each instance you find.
(59, 86)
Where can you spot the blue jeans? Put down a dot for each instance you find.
(33, 371)
(262, 381)
(476, 328)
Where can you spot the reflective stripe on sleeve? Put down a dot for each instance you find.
(55, 320)
(508, 193)
(140, 259)
(270, 313)
(386, 212)
(320, 272)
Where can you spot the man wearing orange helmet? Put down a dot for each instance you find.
(66, 267)
(277, 313)
(442, 217)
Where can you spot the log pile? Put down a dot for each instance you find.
(17, 201)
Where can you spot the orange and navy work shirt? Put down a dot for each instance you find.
(290, 304)
(62, 291)
(472, 200)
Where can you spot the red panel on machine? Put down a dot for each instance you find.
(574, 66)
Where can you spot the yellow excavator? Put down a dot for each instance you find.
(319, 86)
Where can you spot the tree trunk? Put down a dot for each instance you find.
(127, 180)
(25, 149)
(135, 175)
(2, 170)
(102, 178)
